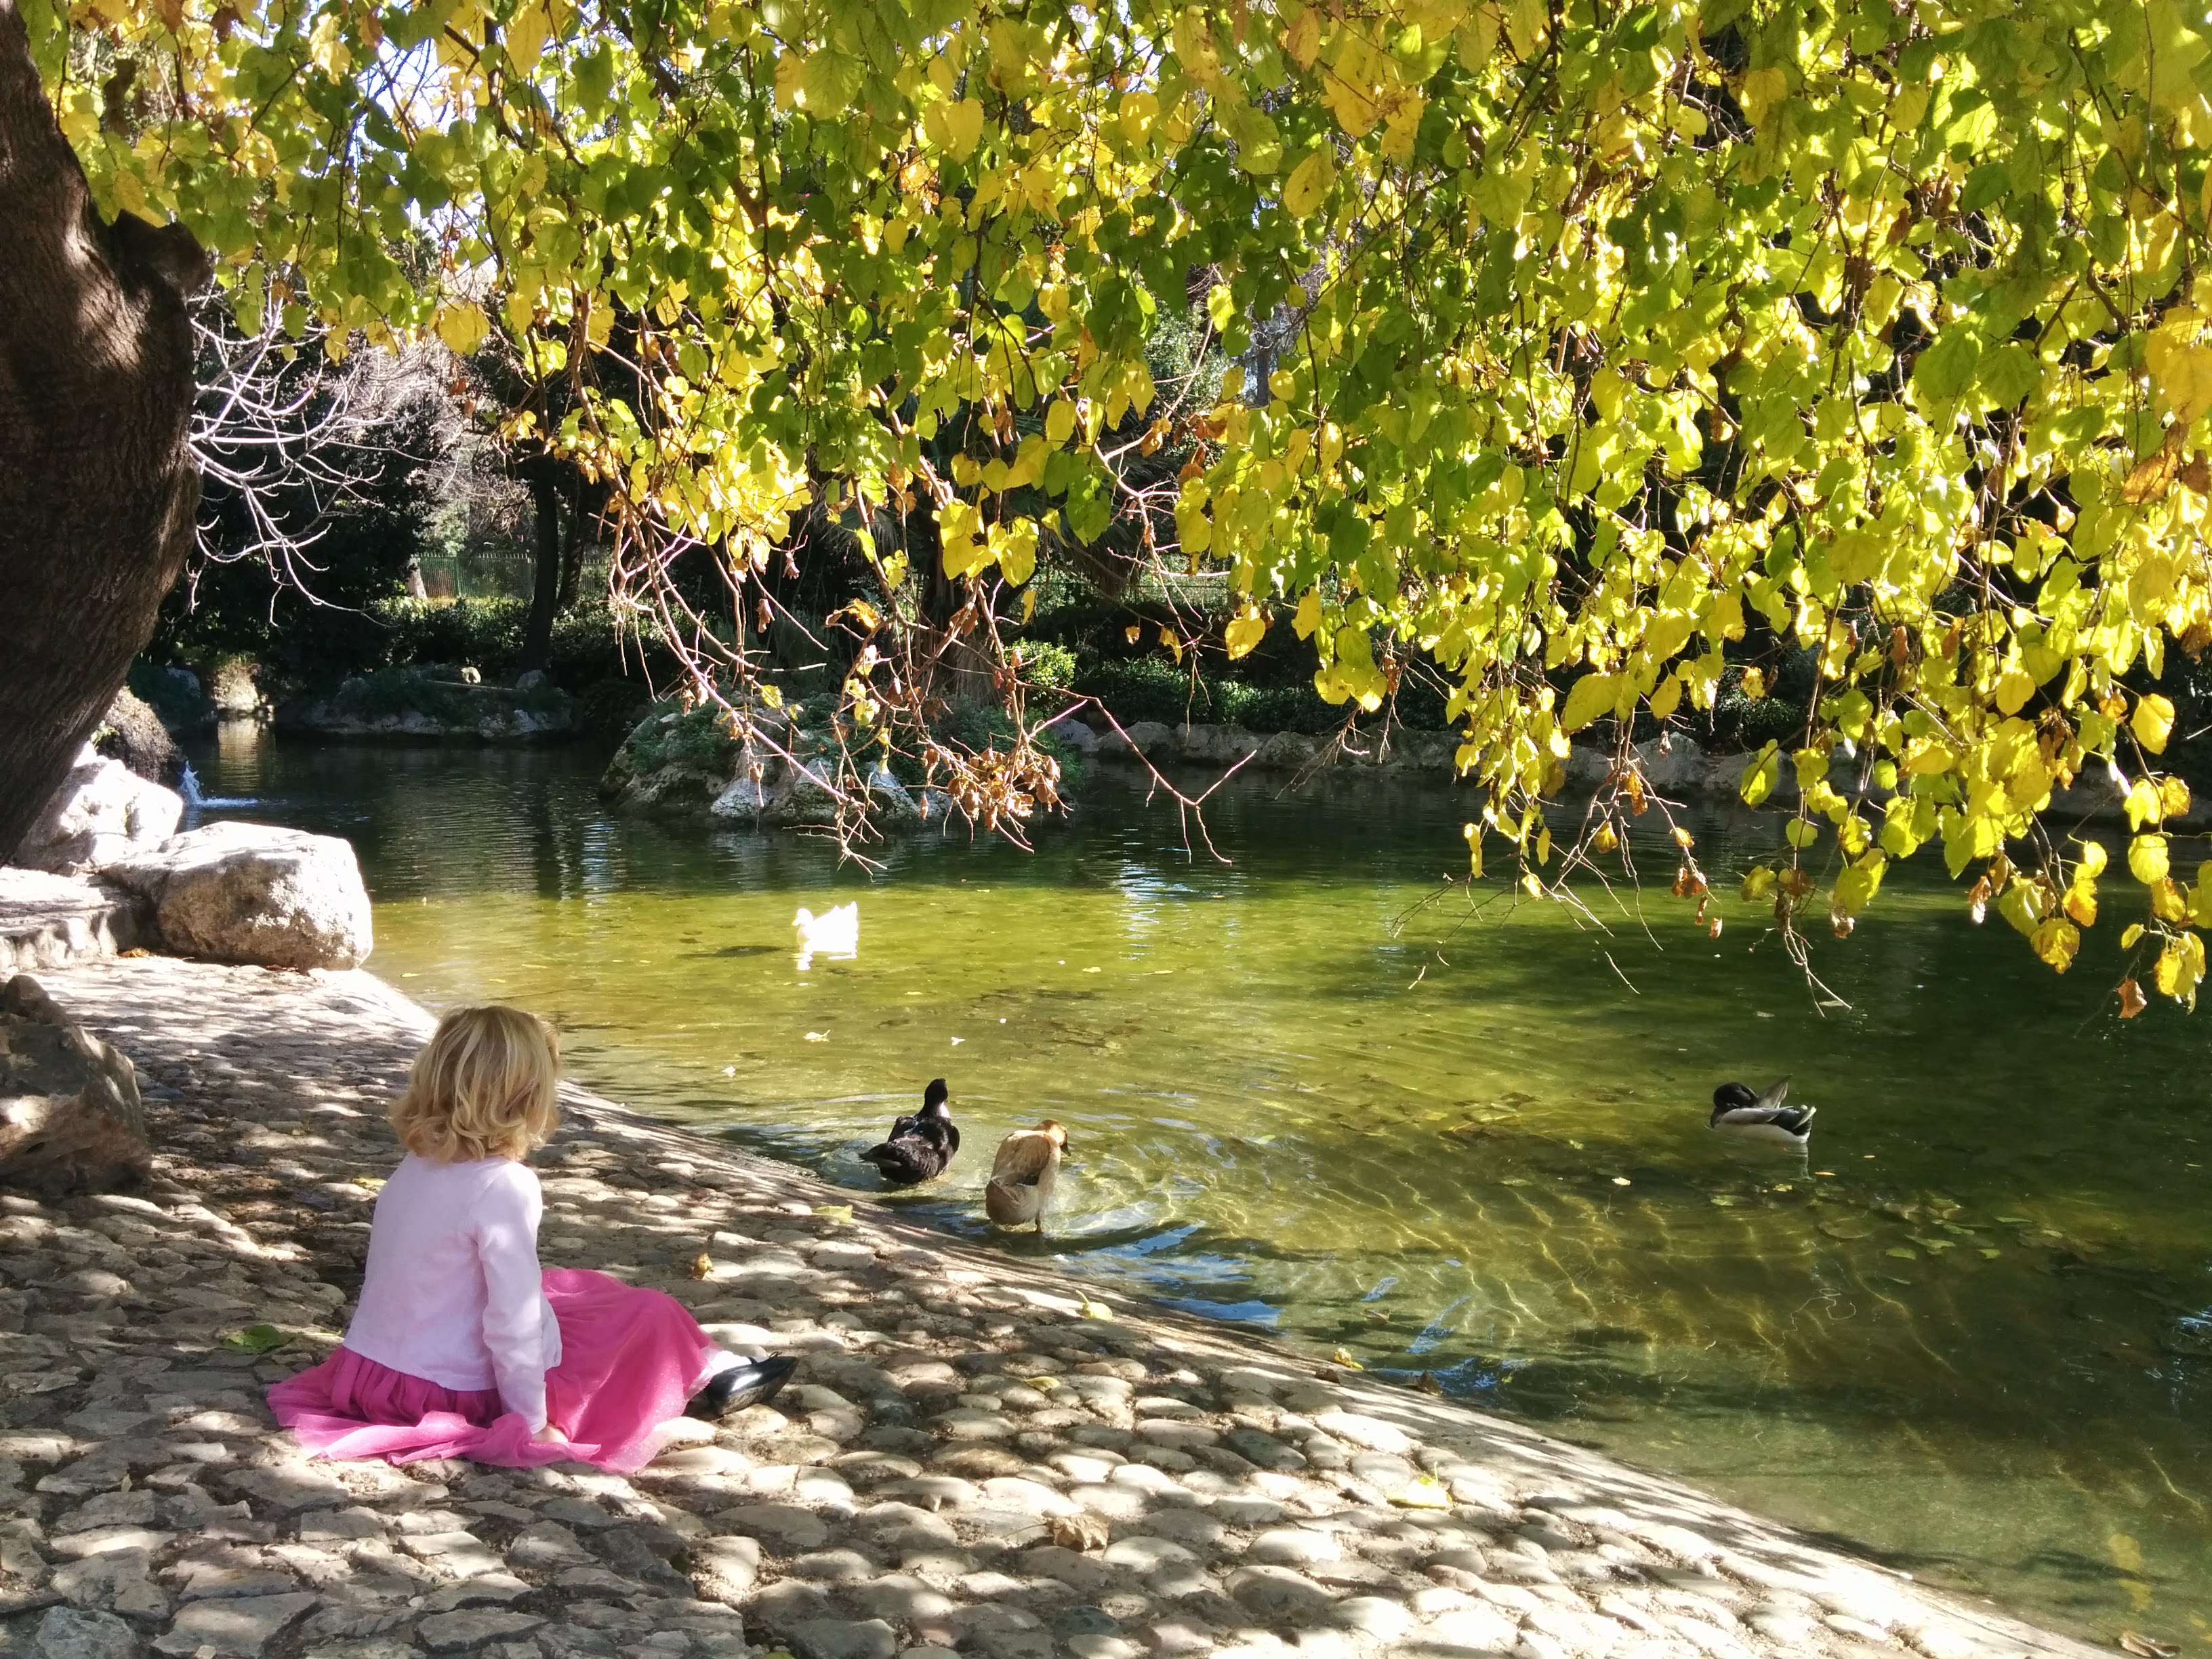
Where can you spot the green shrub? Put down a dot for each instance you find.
(485, 635)
(698, 739)
(1152, 689)
(612, 707)
(1043, 663)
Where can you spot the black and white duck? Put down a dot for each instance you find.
(1737, 1111)
(922, 1144)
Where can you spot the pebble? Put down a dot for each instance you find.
(966, 1467)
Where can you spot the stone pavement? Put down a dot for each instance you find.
(978, 1457)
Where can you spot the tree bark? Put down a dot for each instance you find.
(572, 550)
(98, 487)
(545, 594)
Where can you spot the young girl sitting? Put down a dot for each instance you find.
(461, 1346)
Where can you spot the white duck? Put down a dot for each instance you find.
(835, 932)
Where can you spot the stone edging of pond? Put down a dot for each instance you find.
(972, 1459)
(1678, 769)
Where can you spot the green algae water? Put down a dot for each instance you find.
(1969, 1335)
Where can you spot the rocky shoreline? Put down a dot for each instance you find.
(979, 1458)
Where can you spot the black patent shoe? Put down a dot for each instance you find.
(754, 1383)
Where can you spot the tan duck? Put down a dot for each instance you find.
(1022, 1175)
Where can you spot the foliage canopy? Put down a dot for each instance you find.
(1593, 351)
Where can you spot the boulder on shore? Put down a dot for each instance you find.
(254, 892)
(102, 811)
(47, 921)
(132, 732)
(70, 1118)
(742, 803)
(1154, 740)
(804, 797)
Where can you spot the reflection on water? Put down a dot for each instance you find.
(1970, 1332)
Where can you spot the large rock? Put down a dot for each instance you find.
(1220, 746)
(254, 892)
(70, 1119)
(46, 920)
(742, 803)
(1152, 739)
(102, 811)
(132, 732)
(429, 703)
(1287, 751)
(1073, 736)
(891, 801)
(234, 688)
(804, 797)
(176, 697)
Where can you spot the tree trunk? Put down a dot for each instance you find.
(97, 483)
(545, 593)
(572, 550)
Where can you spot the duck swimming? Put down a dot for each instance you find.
(835, 932)
(922, 1143)
(1738, 1112)
(1022, 1175)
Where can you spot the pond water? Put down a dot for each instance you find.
(1970, 1336)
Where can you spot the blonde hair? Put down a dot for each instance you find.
(484, 1086)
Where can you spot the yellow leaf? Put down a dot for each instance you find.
(790, 76)
(1308, 616)
(1302, 39)
(2151, 722)
(526, 34)
(1423, 1492)
(1763, 90)
(2184, 380)
(1244, 633)
(1059, 422)
(1592, 695)
(2144, 804)
(2181, 968)
(1400, 130)
(2147, 858)
(463, 327)
(2168, 902)
(1307, 185)
(2056, 940)
(964, 128)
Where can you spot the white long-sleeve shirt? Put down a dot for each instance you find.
(452, 1292)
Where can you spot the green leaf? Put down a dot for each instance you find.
(256, 1339)
(1945, 370)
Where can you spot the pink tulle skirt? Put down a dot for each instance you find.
(630, 1359)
